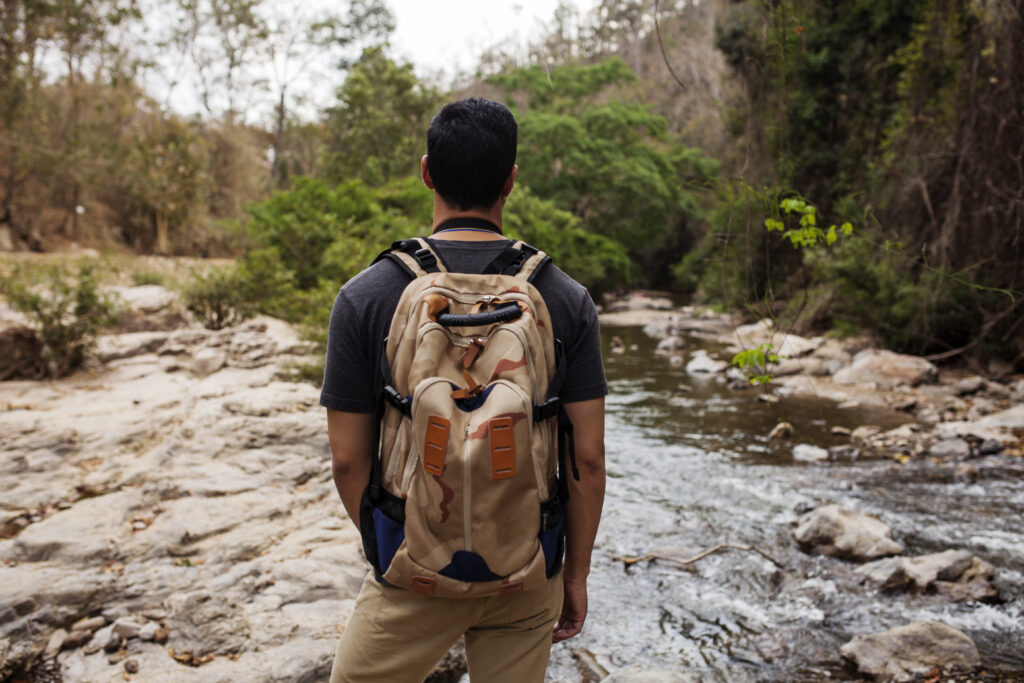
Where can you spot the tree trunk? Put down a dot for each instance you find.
(163, 240)
(276, 172)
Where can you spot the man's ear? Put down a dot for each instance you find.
(510, 182)
(425, 173)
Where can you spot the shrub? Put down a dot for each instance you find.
(220, 297)
(67, 310)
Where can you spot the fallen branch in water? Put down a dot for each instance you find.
(649, 557)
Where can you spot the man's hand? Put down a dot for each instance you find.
(586, 497)
(574, 609)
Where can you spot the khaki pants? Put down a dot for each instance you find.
(396, 636)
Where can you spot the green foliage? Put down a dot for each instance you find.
(806, 233)
(597, 262)
(378, 128)
(67, 310)
(218, 298)
(754, 363)
(608, 160)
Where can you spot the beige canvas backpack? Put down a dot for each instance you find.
(467, 496)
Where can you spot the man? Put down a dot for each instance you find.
(395, 635)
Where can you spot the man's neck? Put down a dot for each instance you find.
(446, 214)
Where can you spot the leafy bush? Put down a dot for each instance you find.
(220, 297)
(67, 310)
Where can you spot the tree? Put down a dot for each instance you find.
(610, 161)
(377, 128)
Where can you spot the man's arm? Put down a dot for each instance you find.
(351, 436)
(586, 497)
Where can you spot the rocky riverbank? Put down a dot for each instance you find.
(963, 424)
(167, 513)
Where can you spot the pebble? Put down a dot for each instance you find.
(89, 624)
(115, 657)
(783, 430)
(131, 666)
(970, 385)
(805, 452)
(840, 431)
(161, 635)
(770, 399)
(77, 638)
(55, 644)
(148, 632)
(990, 447)
(127, 627)
(113, 644)
(950, 449)
(93, 646)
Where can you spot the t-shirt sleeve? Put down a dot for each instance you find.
(584, 379)
(348, 372)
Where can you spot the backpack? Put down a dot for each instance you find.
(467, 491)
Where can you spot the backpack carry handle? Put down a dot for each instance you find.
(503, 313)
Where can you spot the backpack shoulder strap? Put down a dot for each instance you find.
(415, 256)
(520, 260)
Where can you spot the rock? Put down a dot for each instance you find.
(684, 389)
(89, 624)
(1010, 419)
(55, 644)
(944, 566)
(131, 666)
(864, 434)
(150, 308)
(966, 473)
(817, 367)
(128, 627)
(970, 385)
(115, 657)
(113, 643)
(950, 449)
(805, 452)
(1017, 390)
(990, 447)
(671, 344)
(148, 631)
(887, 573)
(834, 530)
(782, 430)
(77, 638)
(205, 623)
(702, 363)
(770, 399)
(160, 635)
(972, 591)
(909, 652)
(886, 369)
(207, 361)
(114, 612)
(637, 674)
(840, 431)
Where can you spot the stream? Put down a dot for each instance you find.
(688, 470)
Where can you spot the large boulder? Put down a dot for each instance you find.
(837, 531)
(886, 369)
(907, 653)
(150, 308)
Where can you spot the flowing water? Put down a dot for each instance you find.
(688, 470)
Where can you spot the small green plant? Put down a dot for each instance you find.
(806, 233)
(67, 310)
(147, 277)
(219, 297)
(754, 363)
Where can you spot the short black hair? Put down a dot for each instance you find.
(471, 149)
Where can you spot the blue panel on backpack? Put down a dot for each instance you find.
(390, 535)
(468, 405)
(467, 566)
(549, 543)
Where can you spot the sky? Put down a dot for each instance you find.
(442, 38)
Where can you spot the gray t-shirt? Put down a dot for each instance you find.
(361, 319)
